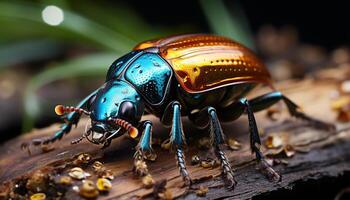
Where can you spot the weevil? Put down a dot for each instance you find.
(201, 76)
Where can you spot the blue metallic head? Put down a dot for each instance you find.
(117, 99)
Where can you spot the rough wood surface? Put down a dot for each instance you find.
(318, 154)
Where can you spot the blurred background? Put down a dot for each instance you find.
(57, 52)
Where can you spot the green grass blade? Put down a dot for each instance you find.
(231, 24)
(74, 25)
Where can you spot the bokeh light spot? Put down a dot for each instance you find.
(52, 15)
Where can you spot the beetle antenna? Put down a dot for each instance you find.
(61, 110)
(133, 132)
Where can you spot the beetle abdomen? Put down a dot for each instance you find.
(204, 62)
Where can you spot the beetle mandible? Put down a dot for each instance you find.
(205, 77)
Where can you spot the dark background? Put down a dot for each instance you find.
(323, 23)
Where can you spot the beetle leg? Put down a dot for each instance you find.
(217, 139)
(235, 110)
(255, 144)
(70, 120)
(265, 101)
(143, 149)
(177, 138)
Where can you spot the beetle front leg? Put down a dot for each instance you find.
(172, 115)
(143, 149)
(70, 120)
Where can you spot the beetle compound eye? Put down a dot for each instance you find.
(127, 110)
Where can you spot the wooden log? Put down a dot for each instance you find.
(313, 154)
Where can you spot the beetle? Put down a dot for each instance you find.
(204, 77)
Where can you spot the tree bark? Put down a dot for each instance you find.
(318, 153)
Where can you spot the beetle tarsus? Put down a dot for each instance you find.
(269, 172)
(140, 166)
(180, 157)
(226, 168)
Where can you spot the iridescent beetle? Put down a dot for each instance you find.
(204, 77)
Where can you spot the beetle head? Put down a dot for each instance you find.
(114, 110)
(116, 100)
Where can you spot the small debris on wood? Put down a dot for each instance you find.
(38, 196)
(77, 173)
(103, 185)
(166, 144)
(106, 173)
(97, 166)
(83, 158)
(195, 160)
(289, 150)
(37, 182)
(88, 190)
(147, 181)
(65, 180)
(140, 168)
(274, 141)
(101, 171)
(279, 143)
(234, 144)
(61, 181)
(209, 163)
(202, 191)
(166, 195)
